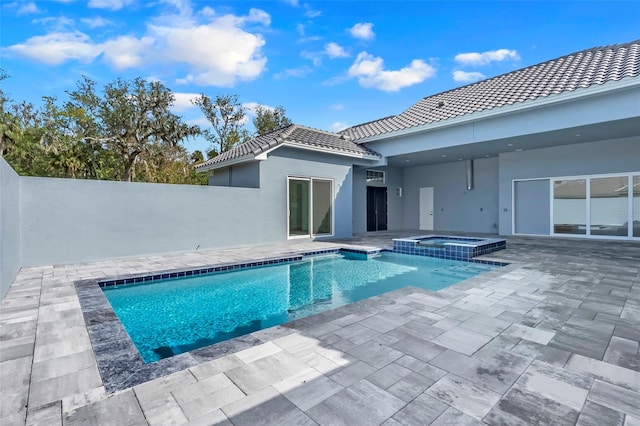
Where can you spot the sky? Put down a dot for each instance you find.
(330, 64)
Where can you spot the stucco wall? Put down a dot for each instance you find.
(244, 175)
(394, 178)
(612, 156)
(10, 261)
(66, 220)
(289, 162)
(532, 204)
(455, 208)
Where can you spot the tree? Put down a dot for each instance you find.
(268, 119)
(132, 118)
(20, 135)
(227, 117)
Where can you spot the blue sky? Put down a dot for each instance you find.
(330, 64)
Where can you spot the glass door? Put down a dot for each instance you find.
(597, 206)
(570, 206)
(310, 207)
(299, 200)
(635, 207)
(609, 206)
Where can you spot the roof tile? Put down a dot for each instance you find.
(294, 133)
(575, 71)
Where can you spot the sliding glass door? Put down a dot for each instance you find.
(310, 207)
(604, 206)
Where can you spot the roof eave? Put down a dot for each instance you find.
(325, 150)
(509, 109)
(226, 163)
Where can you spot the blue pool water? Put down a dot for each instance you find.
(164, 318)
(441, 241)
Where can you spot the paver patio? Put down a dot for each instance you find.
(553, 338)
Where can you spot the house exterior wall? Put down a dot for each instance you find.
(610, 156)
(394, 178)
(285, 162)
(67, 220)
(244, 175)
(10, 261)
(532, 204)
(455, 207)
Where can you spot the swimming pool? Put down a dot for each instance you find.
(168, 317)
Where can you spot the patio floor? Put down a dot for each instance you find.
(553, 338)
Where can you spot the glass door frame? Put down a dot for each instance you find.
(310, 207)
(588, 178)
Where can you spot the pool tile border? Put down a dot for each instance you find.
(465, 250)
(120, 364)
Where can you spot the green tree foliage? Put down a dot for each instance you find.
(227, 117)
(132, 118)
(267, 120)
(124, 131)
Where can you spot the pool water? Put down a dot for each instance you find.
(168, 317)
(441, 241)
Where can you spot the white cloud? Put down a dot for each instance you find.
(56, 48)
(182, 101)
(315, 57)
(334, 50)
(363, 31)
(467, 77)
(337, 107)
(477, 59)
(370, 72)
(28, 9)
(56, 24)
(251, 107)
(125, 51)
(258, 16)
(310, 13)
(293, 72)
(109, 4)
(338, 125)
(293, 3)
(96, 22)
(219, 53)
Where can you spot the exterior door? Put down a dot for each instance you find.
(426, 208)
(376, 208)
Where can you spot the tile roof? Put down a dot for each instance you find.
(578, 70)
(295, 134)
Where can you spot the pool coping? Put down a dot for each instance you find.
(119, 362)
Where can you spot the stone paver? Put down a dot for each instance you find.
(553, 338)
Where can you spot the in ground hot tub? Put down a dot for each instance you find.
(447, 246)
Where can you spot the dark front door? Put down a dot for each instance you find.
(376, 208)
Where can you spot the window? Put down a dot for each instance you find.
(310, 207)
(375, 176)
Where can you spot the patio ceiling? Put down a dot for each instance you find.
(574, 135)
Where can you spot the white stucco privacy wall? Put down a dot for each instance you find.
(66, 220)
(9, 226)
